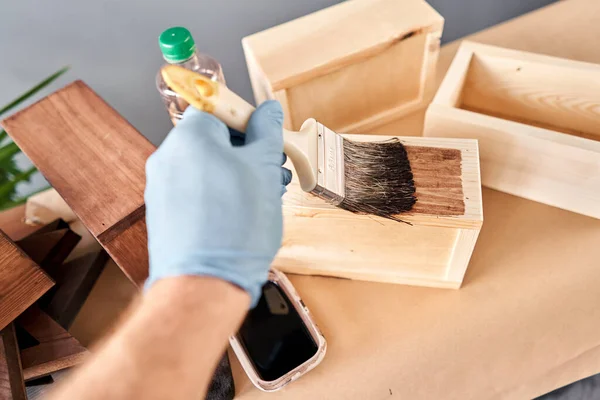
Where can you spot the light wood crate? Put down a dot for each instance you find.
(353, 66)
(432, 249)
(537, 120)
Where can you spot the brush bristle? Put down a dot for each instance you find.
(379, 179)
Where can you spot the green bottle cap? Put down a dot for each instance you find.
(176, 44)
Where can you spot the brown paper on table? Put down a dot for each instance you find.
(529, 308)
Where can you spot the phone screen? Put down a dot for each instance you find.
(274, 336)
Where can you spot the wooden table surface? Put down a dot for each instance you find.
(528, 316)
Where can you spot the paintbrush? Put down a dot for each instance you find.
(362, 177)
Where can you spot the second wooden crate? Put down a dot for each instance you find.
(432, 248)
(353, 66)
(537, 120)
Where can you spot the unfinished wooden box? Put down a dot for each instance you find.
(537, 120)
(432, 248)
(353, 66)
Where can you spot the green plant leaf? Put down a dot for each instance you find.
(33, 90)
(8, 169)
(8, 151)
(13, 203)
(8, 189)
(3, 135)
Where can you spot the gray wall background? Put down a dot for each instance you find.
(112, 44)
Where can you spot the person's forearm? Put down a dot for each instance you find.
(169, 348)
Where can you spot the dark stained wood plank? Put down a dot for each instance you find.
(74, 281)
(129, 249)
(96, 163)
(49, 250)
(12, 386)
(22, 282)
(56, 348)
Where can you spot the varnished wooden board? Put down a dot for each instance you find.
(22, 282)
(11, 374)
(96, 161)
(55, 349)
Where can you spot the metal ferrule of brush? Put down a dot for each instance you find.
(330, 166)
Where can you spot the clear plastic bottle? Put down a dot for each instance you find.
(178, 47)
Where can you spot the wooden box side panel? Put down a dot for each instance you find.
(260, 84)
(461, 254)
(318, 43)
(351, 97)
(72, 128)
(554, 97)
(332, 244)
(524, 160)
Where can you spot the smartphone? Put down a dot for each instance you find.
(278, 341)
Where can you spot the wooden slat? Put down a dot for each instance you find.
(96, 163)
(56, 350)
(11, 374)
(49, 250)
(74, 281)
(22, 282)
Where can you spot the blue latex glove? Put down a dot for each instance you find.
(212, 208)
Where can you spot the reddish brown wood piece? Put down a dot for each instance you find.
(56, 349)
(97, 164)
(22, 282)
(12, 386)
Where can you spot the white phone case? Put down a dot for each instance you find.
(282, 281)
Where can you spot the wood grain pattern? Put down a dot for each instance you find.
(130, 249)
(22, 282)
(56, 350)
(537, 119)
(438, 180)
(554, 96)
(353, 66)
(12, 386)
(433, 250)
(97, 165)
(84, 131)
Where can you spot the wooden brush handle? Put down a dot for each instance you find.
(212, 97)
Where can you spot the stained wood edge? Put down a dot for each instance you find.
(433, 23)
(12, 359)
(129, 251)
(56, 350)
(79, 85)
(47, 368)
(43, 282)
(124, 224)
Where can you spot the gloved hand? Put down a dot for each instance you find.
(213, 209)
